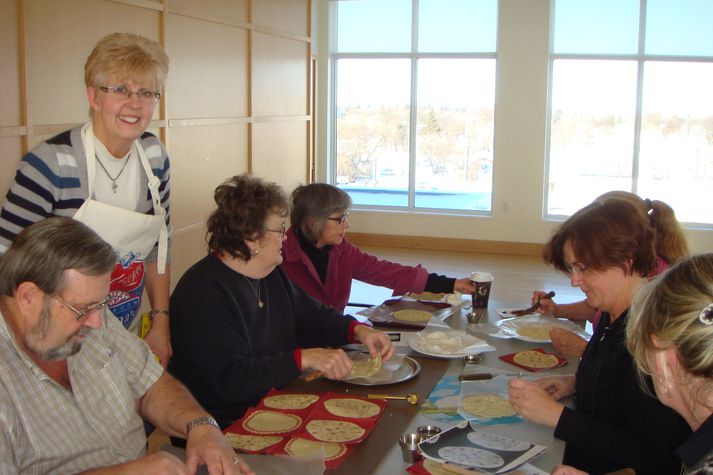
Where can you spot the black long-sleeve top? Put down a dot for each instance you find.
(615, 424)
(228, 351)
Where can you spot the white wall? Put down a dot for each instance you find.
(520, 119)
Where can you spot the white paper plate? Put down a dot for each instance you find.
(415, 344)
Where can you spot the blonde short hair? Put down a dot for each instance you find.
(126, 55)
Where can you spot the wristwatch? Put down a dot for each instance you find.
(199, 421)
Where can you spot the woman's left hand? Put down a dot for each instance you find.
(532, 401)
(464, 286)
(159, 340)
(377, 342)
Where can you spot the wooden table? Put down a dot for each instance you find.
(380, 453)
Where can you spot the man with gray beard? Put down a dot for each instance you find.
(74, 384)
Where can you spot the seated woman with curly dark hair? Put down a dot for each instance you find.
(238, 325)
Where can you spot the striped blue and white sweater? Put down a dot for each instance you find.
(51, 180)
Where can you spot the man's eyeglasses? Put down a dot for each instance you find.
(341, 219)
(82, 315)
(282, 230)
(146, 96)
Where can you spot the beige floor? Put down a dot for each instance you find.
(514, 279)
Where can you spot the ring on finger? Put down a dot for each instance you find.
(236, 459)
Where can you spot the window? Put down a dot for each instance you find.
(413, 103)
(631, 104)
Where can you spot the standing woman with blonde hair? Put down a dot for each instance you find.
(112, 175)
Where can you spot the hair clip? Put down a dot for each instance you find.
(706, 315)
(649, 205)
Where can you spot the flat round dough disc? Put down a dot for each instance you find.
(349, 407)
(535, 332)
(487, 405)
(252, 443)
(300, 447)
(535, 359)
(409, 315)
(290, 401)
(269, 422)
(334, 431)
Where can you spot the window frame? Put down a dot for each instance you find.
(413, 56)
(641, 59)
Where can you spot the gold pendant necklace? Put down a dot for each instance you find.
(260, 303)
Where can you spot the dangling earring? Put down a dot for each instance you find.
(254, 252)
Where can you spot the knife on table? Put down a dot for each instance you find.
(484, 376)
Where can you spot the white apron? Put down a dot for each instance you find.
(131, 234)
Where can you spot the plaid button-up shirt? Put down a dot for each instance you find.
(45, 428)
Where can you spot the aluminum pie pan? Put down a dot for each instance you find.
(408, 369)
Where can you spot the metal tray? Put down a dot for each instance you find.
(408, 369)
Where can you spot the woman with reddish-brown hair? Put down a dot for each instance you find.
(670, 245)
(607, 249)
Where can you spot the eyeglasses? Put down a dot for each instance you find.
(576, 268)
(282, 230)
(341, 219)
(146, 96)
(83, 315)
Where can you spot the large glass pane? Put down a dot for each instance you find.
(373, 26)
(591, 131)
(596, 26)
(683, 27)
(472, 26)
(372, 130)
(454, 145)
(676, 152)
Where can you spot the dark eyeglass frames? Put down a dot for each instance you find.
(341, 219)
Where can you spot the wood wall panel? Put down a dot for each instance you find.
(229, 11)
(201, 159)
(280, 76)
(9, 66)
(291, 16)
(10, 154)
(187, 249)
(60, 36)
(278, 152)
(208, 73)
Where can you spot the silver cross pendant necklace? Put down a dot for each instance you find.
(114, 186)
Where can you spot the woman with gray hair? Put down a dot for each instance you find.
(319, 259)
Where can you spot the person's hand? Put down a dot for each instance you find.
(567, 470)
(547, 305)
(557, 386)
(159, 463)
(333, 364)
(377, 342)
(533, 402)
(206, 445)
(159, 340)
(567, 343)
(464, 286)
